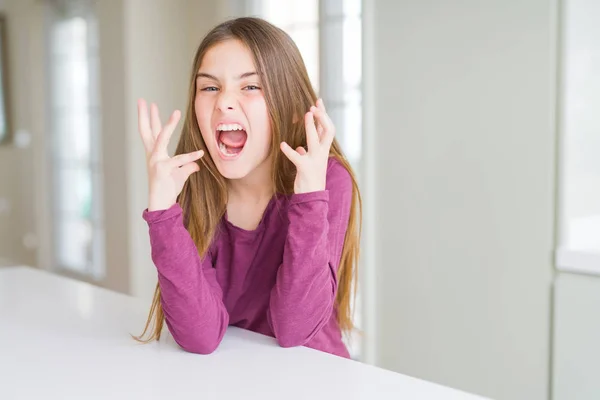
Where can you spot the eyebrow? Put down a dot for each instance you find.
(214, 78)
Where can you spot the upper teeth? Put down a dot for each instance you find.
(230, 127)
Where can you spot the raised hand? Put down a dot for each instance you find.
(166, 175)
(311, 165)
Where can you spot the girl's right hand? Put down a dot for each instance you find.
(166, 175)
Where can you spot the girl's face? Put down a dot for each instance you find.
(231, 110)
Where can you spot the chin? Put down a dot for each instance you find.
(237, 169)
(232, 172)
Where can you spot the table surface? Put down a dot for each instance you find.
(64, 339)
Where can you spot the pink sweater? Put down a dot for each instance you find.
(279, 279)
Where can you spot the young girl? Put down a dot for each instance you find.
(264, 234)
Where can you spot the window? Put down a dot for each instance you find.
(76, 170)
(300, 20)
(329, 37)
(579, 242)
(341, 89)
(341, 49)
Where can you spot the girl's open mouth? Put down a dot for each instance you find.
(231, 139)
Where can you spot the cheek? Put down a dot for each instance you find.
(256, 109)
(203, 110)
(202, 107)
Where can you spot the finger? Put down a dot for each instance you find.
(144, 126)
(290, 153)
(328, 127)
(327, 139)
(321, 105)
(320, 128)
(184, 172)
(163, 138)
(312, 137)
(301, 150)
(155, 120)
(322, 118)
(182, 159)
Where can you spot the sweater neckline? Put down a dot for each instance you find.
(261, 225)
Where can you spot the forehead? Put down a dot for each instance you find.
(228, 57)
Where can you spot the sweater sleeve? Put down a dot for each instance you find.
(302, 300)
(191, 297)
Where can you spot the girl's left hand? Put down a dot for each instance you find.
(311, 165)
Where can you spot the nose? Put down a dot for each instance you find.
(226, 101)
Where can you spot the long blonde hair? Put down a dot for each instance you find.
(288, 94)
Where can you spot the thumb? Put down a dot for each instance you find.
(301, 150)
(290, 153)
(184, 172)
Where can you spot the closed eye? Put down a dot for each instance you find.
(209, 89)
(251, 87)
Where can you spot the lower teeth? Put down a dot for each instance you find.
(224, 150)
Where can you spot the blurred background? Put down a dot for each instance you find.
(472, 125)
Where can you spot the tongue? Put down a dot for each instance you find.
(233, 138)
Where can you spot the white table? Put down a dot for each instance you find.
(63, 339)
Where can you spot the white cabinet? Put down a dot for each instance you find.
(576, 352)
